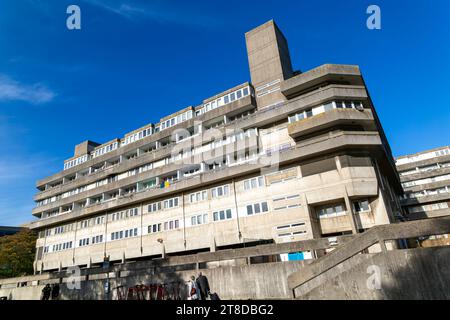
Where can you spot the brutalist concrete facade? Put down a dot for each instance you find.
(425, 177)
(288, 157)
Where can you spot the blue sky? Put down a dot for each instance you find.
(136, 61)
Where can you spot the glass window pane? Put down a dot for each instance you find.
(222, 215)
(264, 207)
(229, 214)
(249, 210)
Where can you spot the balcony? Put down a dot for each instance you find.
(330, 119)
(328, 73)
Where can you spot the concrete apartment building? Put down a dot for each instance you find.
(425, 178)
(288, 156)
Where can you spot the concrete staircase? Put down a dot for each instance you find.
(336, 268)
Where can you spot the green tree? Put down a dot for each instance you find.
(17, 254)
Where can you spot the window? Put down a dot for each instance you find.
(171, 203)
(154, 207)
(171, 225)
(83, 242)
(222, 215)
(220, 191)
(59, 230)
(199, 219)
(257, 208)
(154, 228)
(97, 239)
(331, 211)
(198, 196)
(100, 220)
(253, 183)
(361, 206)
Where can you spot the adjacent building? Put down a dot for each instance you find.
(425, 178)
(288, 156)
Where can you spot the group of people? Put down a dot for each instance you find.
(52, 291)
(199, 289)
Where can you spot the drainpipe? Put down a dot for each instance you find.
(237, 210)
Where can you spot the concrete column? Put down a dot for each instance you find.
(351, 214)
(158, 144)
(225, 119)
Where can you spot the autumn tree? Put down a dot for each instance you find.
(17, 254)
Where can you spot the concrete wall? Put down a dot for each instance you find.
(421, 274)
(258, 281)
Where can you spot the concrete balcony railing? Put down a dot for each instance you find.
(332, 118)
(233, 107)
(423, 163)
(425, 174)
(426, 199)
(318, 146)
(248, 144)
(328, 73)
(258, 119)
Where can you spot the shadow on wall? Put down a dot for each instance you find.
(419, 274)
(153, 283)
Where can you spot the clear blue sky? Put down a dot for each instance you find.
(136, 61)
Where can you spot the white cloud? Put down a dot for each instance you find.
(11, 90)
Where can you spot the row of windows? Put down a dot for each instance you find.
(426, 181)
(427, 192)
(137, 136)
(199, 219)
(221, 191)
(228, 98)
(257, 208)
(149, 166)
(222, 215)
(103, 150)
(176, 120)
(75, 162)
(254, 183)
(129, 233)
(124, 214)
(62, 246)
(198, 196)
(324, 108)
(92, 222)
(429, 207)
(336, 210)
(426, 168)
(424, 156)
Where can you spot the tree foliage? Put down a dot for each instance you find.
(17, 253)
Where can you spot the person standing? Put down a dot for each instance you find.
(192, 289)
(203, 285)
(55, 291)
(46, 292)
